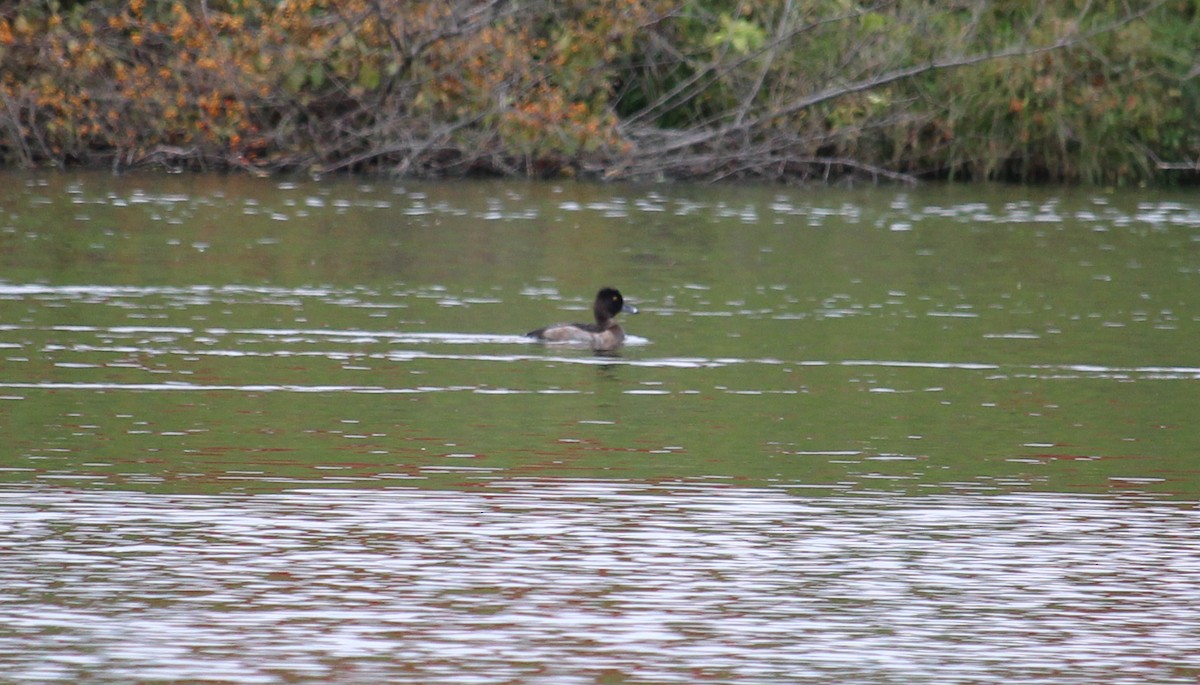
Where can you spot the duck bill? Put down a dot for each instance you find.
(629, 308)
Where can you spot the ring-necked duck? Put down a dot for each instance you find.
(603, 336)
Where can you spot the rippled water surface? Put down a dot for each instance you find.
(599, 582)
(290, 432)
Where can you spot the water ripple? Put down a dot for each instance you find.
(575, 581)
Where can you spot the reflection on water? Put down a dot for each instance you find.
(108, 403)
(276, 432)
(588, 581)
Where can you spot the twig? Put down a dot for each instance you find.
(14, 123)
(1193, 165)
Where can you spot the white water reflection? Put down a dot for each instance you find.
(571, 582)
(290, 344)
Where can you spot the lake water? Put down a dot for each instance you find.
(255, 431)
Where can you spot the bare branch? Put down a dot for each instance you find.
(1192, 165)
(895, 75)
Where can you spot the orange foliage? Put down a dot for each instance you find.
(313, 82)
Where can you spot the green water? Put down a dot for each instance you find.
(255, 431)
(888, 340)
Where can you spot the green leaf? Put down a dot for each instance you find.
(874, 21)
(368, 76)
(295, 78)
(741, 35)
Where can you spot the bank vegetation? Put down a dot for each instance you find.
(1093, 91)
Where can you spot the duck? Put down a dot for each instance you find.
(606, 335)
